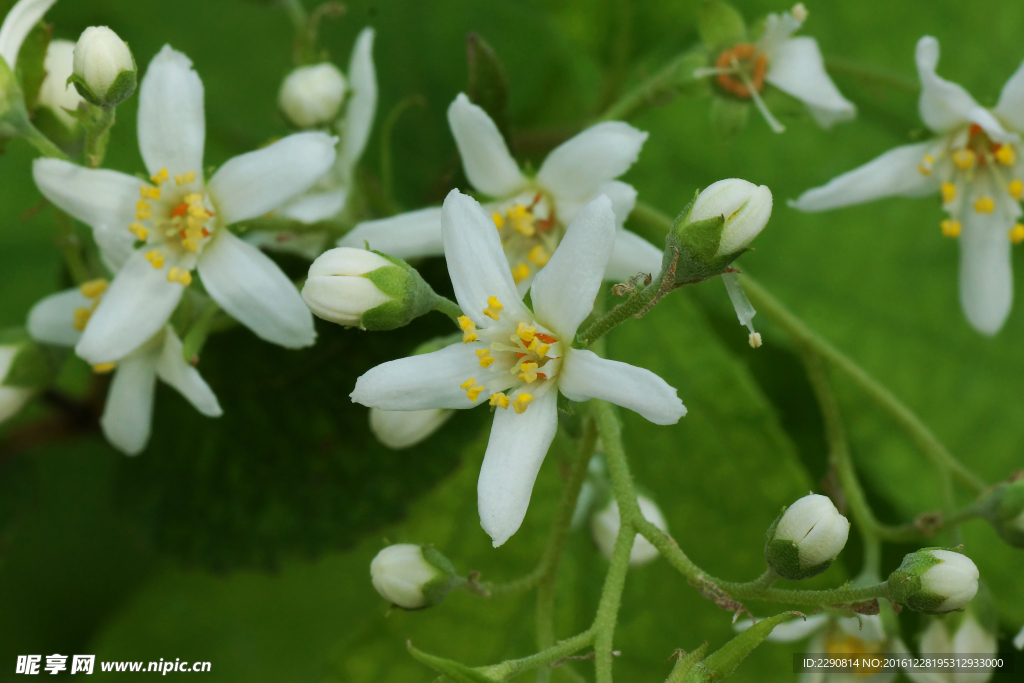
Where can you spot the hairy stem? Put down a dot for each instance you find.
(653, 89)
(562, 649)
(97, 135)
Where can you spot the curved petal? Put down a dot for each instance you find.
(405, 428)
(564, 290)
(362, 105)
(429, 380)
(128, 415)
(172, 368)
(585, 375)
(632, 254)
(172, 124)
(476, 262)
(103, 200)
(515, 451)
(407, 235)
(1010, 108)
(52, 320)
(797, 68)
(17, 25)
(488, 164)
(252, 184)
(136, 306)
(623, 196)
(893, 173)
(580, 165)
(986, 271)
(315, 206)
(254, 291)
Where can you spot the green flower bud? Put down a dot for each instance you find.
(1004, 510)
(366, 289)
(805, 538)
(934, 581)
(104, 68)
(312, 95)
(412, 576)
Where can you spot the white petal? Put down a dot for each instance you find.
(564, 290)
(796, 67)
(315, 206)
(515, 451)
(173, 369)
(893, 173)
(407, 235)
(578, 166)
(103, 200)
(486, 160)
(399, 429)
(1011, 101)
(476, 262)
(429, 380)
(172, 124)
(128, 415)
(52, 320)
(254, 291)
(986, 271)
(623, 196)
(632, 254)
(252, 184)
(136, 306)
(585, 375)
(305, 245)
(362, 105)
(17, 25)
(797, 629)
(1018, 640)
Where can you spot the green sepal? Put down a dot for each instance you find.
(460, 673)
(729, 115)
(120, 90)
(783, 556)
(685, 663)
(723, 663)
(697, 246)
(410, 296)
(436, 590)
(905, 582)
(488, 81)
(720, 25)
(31, 67)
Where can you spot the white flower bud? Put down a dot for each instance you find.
(312, 95)
(806, 538)
(398, 429)
(745, 206)
(104, 69)
(604, 527)
(411, 576)
(11, 398)
(934, 581)
(55, 91)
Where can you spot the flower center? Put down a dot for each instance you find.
(741, 68)
(529, 234)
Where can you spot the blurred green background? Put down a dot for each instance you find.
(246, 541)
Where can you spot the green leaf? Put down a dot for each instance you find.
(723, 662)
(720, 25)
(459, 673)
(488, 82)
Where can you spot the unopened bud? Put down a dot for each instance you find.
(746, 208)
(312, 95)
(1004, 510)
(12, 398)
(358, 287)
(934, 581)
(398, 429)
(805, 539)
(604, 526)
(55, 92)
(104, 68)
(412, 576)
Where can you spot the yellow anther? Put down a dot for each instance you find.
(1006, 156)
(173, 274)
(529, 372)
(160, 177)
(499, 400)
(485, 357)
(139, 230)
(542, 350)
(539, 256)
(185, 279)
(1017, 233)
(185, 178)
(964, 158)
(925, 167)
(522, 220)
(82, 316)
(468, 327)
(93, 288)
(951, 227)
(1016, 189)
(499, 220)
(472, 389)
(526, 332)
(984, 205)
(147, 192)
(494, 308)
(520, 272)
(155, 258)
(143, 210)
(103, 368)
(522, 402)
(948, 192)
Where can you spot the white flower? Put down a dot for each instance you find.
(17, 24)
(12, 399)
(974, 163)
(806, 538)
(793, 65)
(60, 318)
(515, 358)
(55, 92)
(100, 57)
(404, 576)
(183, 220)
(312, 95)
(399, 429)
(745, 206)
(970, 640)
(604, 527)
(531, 212)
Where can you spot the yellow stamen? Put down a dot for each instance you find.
(964, 158)
(155, 258)
(1016, 189)
(160, 177)
(185, 279)
(472, 389)
(542, 350)
(1006, 156)
(1017, 233)
(984, 205)
(925, 167)
(529, 372)
(951, 227)
(499, 220)
(539, 256)
(525, 332)
(520, 272)
(185, 178)
(522, 402)
(82, 316)
(485, 357)
(93, 288)
(494, 308)
(143, 210)
(139, 230)
(522, 220)
(468, 327)
(147, 192)
(948, 192)
(499, 400)
(103, 368)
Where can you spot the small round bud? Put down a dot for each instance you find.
(745, 206)
(412, 576)
(104, 68)
(398, 429)
(805, 539)
(312, 95)
(1004, 510)
(604, 526)
(363, 288)
(934, 581)
(12, 398)
(55, 92)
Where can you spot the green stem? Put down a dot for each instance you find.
(71, 248)
(618, 315)
(449, 308)
(42, 143)
(387, 175)
(565, 648)
(653, 88)
(97, 135)
(870, 74)
(611, 599)
(197, 334)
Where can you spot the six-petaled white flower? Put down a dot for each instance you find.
(531, 213)
(974, 163)
(515, 359)
(181, 221)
